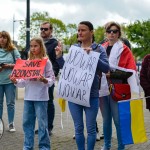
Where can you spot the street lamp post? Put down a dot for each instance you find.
(14, 27)
(14, 43)
(28, 26)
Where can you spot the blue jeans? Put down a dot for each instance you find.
(33, 109)
(109, 110)
(10, 92)
(51, 108)
(90, 114)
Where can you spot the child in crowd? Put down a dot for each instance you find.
(36, 98)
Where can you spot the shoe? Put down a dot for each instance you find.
(1, 128)
(11, 127)
(102, 136)
(97, 136)
(36, 131)
(102, 148)
(74, 136)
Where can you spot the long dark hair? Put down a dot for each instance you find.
(90, 26)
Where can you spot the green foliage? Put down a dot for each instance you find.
(139, 34)
(71, 34)
(59, 28)
(99, 34)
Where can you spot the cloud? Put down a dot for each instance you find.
(74, 11)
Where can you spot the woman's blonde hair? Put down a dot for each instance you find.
(9, 45)
(42, 54)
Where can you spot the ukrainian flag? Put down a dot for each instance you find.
(132, 121)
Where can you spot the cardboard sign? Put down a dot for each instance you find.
(28, 69)
(77, 76)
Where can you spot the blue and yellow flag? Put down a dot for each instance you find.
(132, 121)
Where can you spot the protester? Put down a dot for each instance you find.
(57, 61)
(98, 136)
(8, 57)
(85, 35)
(145, 79)
(119, 55)
(106, 92)
(36, 98)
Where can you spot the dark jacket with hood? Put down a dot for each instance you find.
(57, 63)
(145, 78)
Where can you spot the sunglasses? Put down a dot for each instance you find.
(112, 31)
(44, 29)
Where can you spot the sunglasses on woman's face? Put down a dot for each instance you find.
(112, 31)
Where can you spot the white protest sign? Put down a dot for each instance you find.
(77, 76)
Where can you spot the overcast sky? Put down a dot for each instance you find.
(73, 11)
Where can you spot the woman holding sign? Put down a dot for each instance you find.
(8, 57)
(85, 36)
(36, 98)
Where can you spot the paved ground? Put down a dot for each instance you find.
(61, 138)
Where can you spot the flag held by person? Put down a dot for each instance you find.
(132, 121)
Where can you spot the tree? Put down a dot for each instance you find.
(71, 34)
(139, 34)
(99, 34)
(59, 28)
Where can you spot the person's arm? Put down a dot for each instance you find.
(7, 66)
(144, 73)
(15, 55)
(59, 55)
(49, 74)
(103, 64)
(18, 82)
(119, 74)
(60, 62)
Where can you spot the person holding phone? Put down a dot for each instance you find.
(8, 56)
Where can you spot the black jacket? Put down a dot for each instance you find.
(56, 63)
(145, 78)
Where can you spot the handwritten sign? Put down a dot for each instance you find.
(28, 69)
(77, 76)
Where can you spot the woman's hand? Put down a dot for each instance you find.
(88, 49)
(42, 79)
(59, 50)
(13, 79)
(108, 75)
(6, 66)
